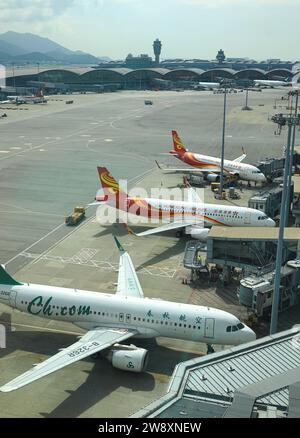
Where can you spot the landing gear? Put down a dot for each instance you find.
(96, 356)
(179, 233)
(210, 349)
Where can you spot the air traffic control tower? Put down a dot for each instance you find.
(157, 51)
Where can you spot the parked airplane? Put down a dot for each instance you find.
(272, 83)
(211, 166)
(189, 216)
(37, 98)
(207, 86)
(111, 319)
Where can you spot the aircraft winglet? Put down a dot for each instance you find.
(120, 247)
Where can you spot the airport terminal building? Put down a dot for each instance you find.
(113, 79)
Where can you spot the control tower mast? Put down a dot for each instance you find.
(157, 50)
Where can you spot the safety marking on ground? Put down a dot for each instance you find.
(85, 258)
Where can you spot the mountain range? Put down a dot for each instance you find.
(27, 47)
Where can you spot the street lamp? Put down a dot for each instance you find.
(291, 121)
(291, 94)
(246, 107)
(223, 140)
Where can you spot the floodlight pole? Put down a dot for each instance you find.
(276, 292)
(223, 143)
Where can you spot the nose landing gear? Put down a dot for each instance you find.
(210, 349)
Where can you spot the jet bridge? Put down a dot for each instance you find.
(252, 249)
(268, 201)
(256, 291)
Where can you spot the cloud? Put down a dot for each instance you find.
(241, 3)
(16, 11)
(32, 10)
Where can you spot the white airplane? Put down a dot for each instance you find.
(272, 83)
(190, 216)
(211, 166)
(110, 319)
(207, 86)
(37, 98)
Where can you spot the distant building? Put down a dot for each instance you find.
(135, 62)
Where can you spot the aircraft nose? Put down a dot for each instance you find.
(247, 335)
(261, 177)
(270, 222)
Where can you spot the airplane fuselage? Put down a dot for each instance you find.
(244, 171)
(147, 317)
(204, 214)
(271, 83)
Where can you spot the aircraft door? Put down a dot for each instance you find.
(128, 318)
(247, 217)
(13, 298)
(121, 317)
(209, 327)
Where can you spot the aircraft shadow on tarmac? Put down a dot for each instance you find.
(120, 231)
(103, 379)
(172, 251)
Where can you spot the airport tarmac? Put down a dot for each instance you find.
(55, 169)
(49, 153)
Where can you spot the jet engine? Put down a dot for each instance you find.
(212, 177)
(199, 233)
(128, 358)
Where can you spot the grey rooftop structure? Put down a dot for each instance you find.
(257, 379)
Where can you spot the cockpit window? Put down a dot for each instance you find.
(234, 328)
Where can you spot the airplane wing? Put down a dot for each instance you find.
(92, 342)
(167, 227)
(187, 170)
(128, 282)
(241, 158)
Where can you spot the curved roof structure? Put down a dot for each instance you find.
(105, 74)
(281, 72)
(130, 76)
(215, 73)
(59, 75)
(296, 77)
(147, 72)
(184, 73)
(250, 73)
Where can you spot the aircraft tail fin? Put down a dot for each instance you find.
(108, 182)
(7, 279)
(179, 149)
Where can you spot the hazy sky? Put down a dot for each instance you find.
(257, 29)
